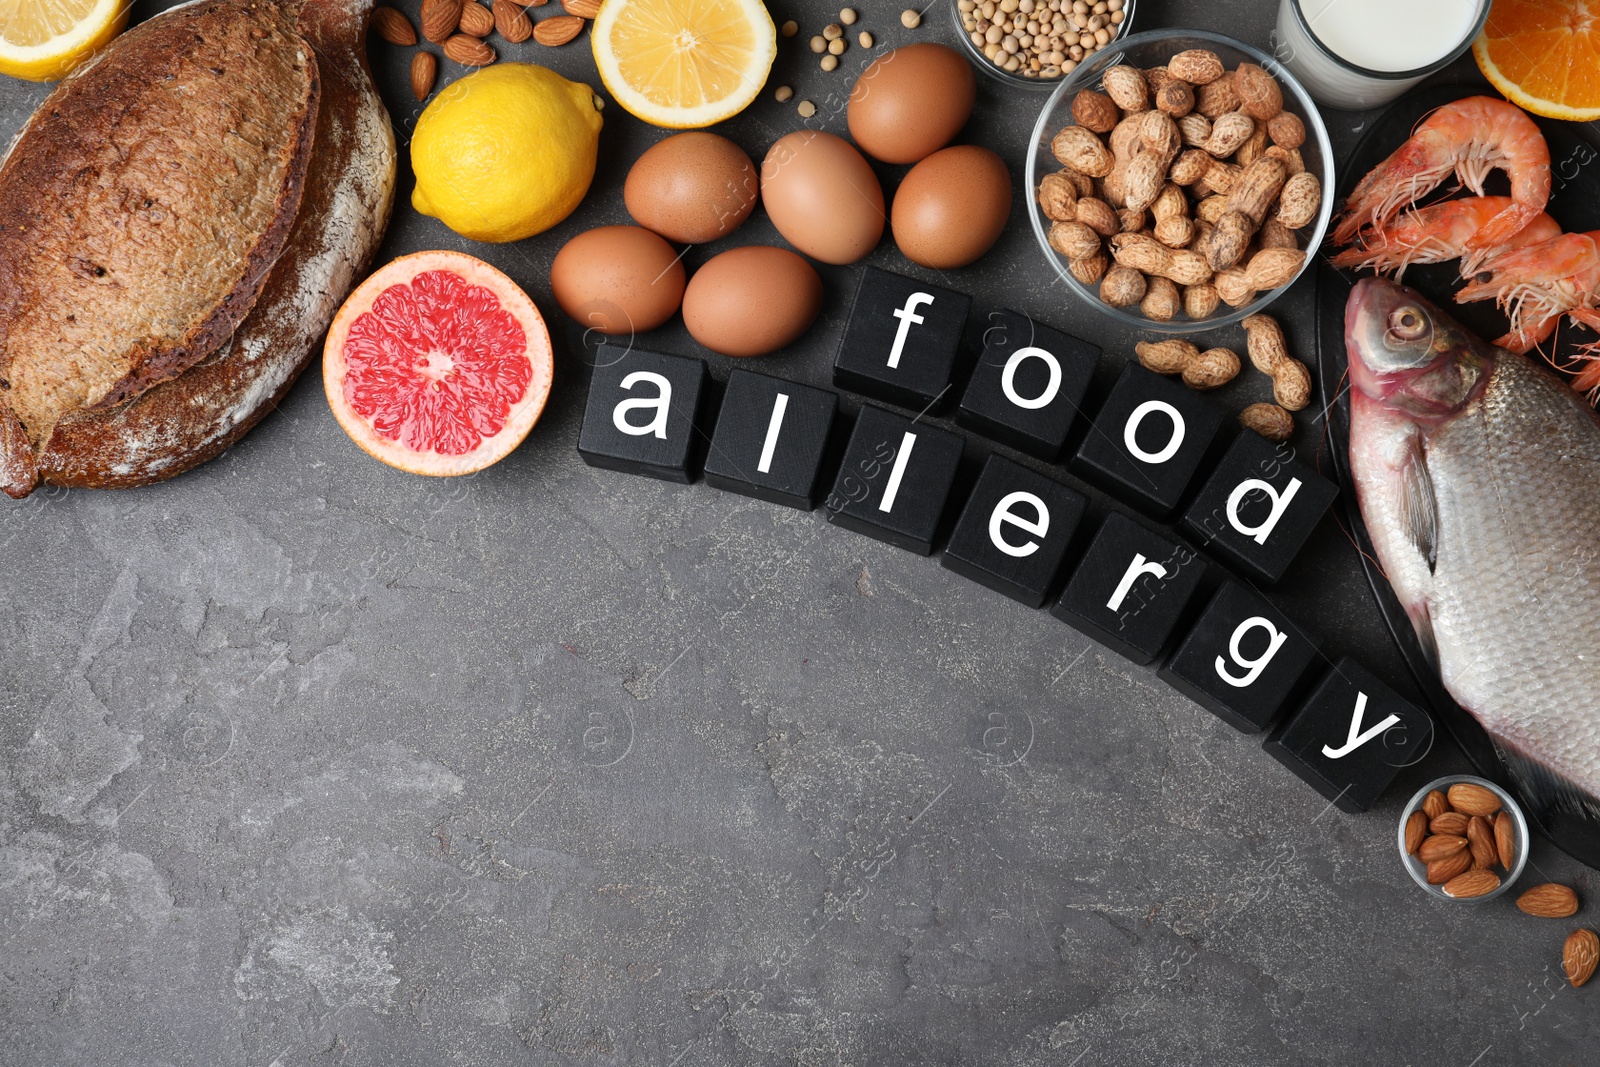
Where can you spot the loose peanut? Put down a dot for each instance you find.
(1211, 208)
(1098, 216)
(1291, 381)
(1126, 87)
(1095, 111)
(1258, 189)
(1195, 129)
(1166, 357)
(1200, 301)
(1274, 234)
(1155, 78)
(1173, 227)
(1161, 300)
(1132, 219)
(1081, 150)
(1219, 177)
(1228, 240)
(1268, 420)
(1291, 158)
(1212, 368)
(1253, 148)
(1122, 286)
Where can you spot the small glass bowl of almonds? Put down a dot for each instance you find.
(1035, 43)
(1181, 181)
(1463, 839)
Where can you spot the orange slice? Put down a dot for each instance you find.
(1544, 55)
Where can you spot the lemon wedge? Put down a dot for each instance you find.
(683, 64)
(42, 40)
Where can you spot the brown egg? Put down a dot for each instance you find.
(692, 188)
(952, 207)
(822, 196)
(911, 102)
(618, 279)
(751, 301)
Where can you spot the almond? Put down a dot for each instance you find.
(1416, 830)
(557, 31)
(1451, 822)
(476, 20)
(1439, 846)
(1505, 839)
(1441, 871)
(1480, 839)
(1580, 955)
(1435, 804)
(468, 51)
(512, 22)
(1549, 901)
(393, 27)
(583, 9)
(440, 19)
(1470, 799)
(1473, 883)
(424, 69)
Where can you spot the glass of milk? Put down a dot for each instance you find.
(1357, 54)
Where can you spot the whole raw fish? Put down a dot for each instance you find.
(1478, 474)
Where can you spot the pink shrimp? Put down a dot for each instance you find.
(1439, 233)
(1538, 284)
(1470, 137)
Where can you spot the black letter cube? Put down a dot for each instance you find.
(1028, 385)
(1258, 507)
(640, 417)
(1013, 532)
(1344, 743)
(770, 439)
(1242, 660)
(1131, 588)
(902, 339)
(895, 479)
(1148, 440)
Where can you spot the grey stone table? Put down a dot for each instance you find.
(307, 761)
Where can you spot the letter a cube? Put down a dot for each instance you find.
(1259, 506)
(1351, 737)
(901, 342)
(640, 417)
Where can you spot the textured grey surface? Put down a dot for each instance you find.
(306, 761)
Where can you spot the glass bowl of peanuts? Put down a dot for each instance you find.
(1034, 43)
(1463, 839)
(1181, 181)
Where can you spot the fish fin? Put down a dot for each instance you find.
(1419, 509)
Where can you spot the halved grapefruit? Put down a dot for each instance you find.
(437, 364)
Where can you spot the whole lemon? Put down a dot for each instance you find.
(506, 152)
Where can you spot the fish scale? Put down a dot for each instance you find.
(1509, 604)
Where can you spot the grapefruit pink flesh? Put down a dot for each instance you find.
(436, 364)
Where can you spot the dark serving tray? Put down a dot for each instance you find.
(1575, 203)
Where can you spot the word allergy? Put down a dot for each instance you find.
(1149, 444)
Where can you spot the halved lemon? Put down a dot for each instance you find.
(42, 40)
(1544, 55)
(683, 64)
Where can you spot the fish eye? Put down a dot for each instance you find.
(1407, 324)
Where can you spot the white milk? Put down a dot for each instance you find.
(1380, 36)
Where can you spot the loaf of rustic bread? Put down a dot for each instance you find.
(183, 217)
